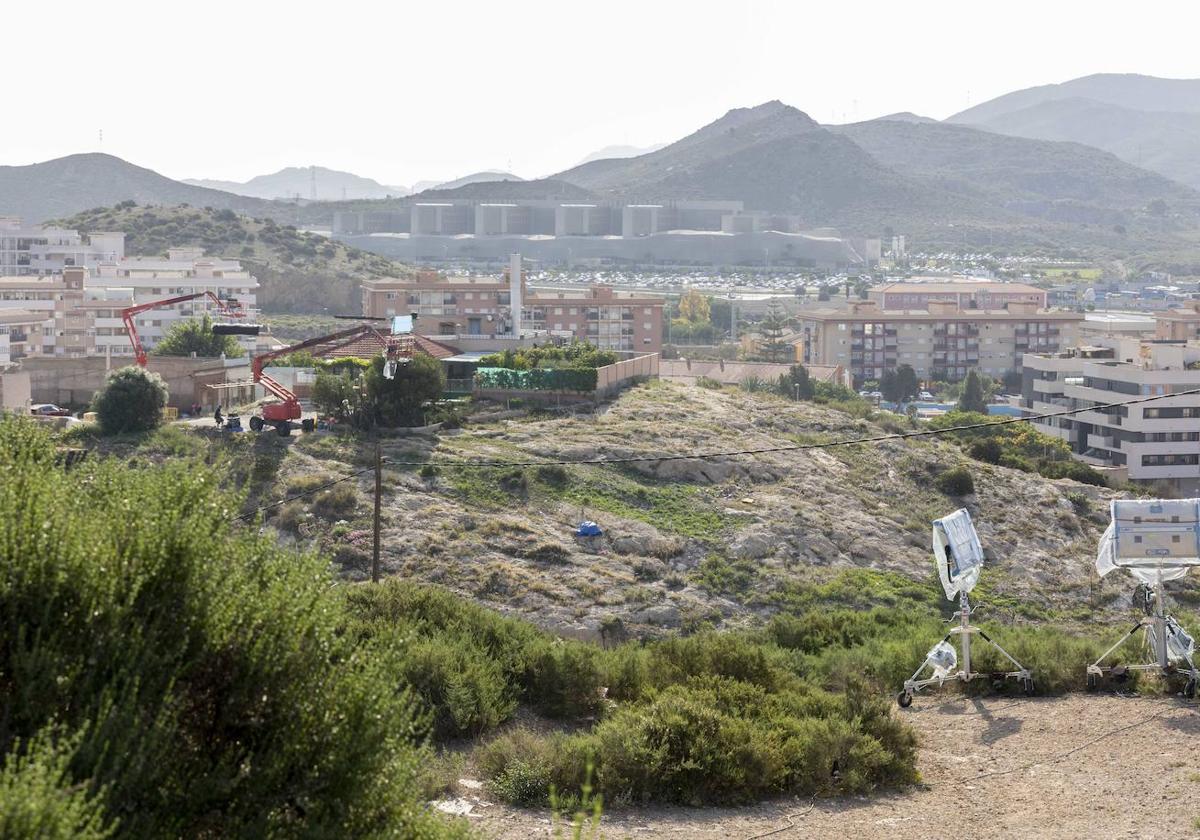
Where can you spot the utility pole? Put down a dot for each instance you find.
(378, 510)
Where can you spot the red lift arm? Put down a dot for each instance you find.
(279, 414)
(228, 308)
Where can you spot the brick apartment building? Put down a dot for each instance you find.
(482, 306)
(940, 342)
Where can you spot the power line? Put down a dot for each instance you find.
(700, 456)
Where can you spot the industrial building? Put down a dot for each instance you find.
(674, 232)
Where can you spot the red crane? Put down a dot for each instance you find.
(227, 308)
(396, 348)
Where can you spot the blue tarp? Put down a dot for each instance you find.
(588, 528)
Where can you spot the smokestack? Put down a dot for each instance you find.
(514, 292)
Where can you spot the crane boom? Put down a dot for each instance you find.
(230, 309)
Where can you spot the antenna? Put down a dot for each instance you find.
(958, 557)
(312, 172)
(1156, 541)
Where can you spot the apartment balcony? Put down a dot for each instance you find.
(1101, 442)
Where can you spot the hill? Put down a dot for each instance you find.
(619, 151)
(486, 176)
(724, 542)
(300, 181)
(1126, 90)
(775, 157)
(1161, 141)
(542, 188)
(299, 271)
(1057, 181)
(68, 185)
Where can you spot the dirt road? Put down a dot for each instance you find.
(1094, 766)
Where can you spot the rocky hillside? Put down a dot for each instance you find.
(724, 541)
(299, 272)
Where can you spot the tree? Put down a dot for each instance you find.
(398, 401)
(695, 307)
(131, 400)
(887, 386)
(802, 383)
(771, 329)
(190, 336)
(823, 293)
(907, 386)
(333, 394)
(972, 398)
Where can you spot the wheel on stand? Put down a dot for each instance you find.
(256, 424)
(1189, 689)
(283, 428)
(307, 424)
(904, 699)
(1093, 682)
(1028, 687)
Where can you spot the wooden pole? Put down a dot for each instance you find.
(378, 510)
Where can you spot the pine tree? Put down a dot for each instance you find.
(972, 395)
(771, 329)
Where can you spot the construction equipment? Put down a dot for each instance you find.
(1155, 541)
(396, 348)
(958, 555)
(227, 308)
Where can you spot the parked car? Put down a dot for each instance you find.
(925, 396)
(48, 410)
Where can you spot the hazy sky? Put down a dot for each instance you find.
(401, 91)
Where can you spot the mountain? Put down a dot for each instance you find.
(74, 183)
(1162, 141)
(1060, 181)
(908, 116)
(1126, 90)
(542, 188)
(1149, 122)
(775, 157)
(301, 181)
(609, 152)
(484, 177)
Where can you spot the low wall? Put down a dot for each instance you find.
(73, 381)
(612, 378)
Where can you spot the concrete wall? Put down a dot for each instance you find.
(15, 394)
(72, 382)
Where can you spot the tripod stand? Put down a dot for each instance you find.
(1163, 636)
(965, 630)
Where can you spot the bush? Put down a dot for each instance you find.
(554, 475)
(955, 482)
(338, 502)
(39, 798)
(205, 668)
(399, 401)
(185, 337)
(131, 400)
(709, 383)
(1074, 470)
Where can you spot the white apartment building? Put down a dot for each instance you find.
(82, 309)
(1157, 441)
(38, 250)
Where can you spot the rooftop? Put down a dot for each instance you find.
(960, 286)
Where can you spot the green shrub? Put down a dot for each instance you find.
(131, 400)
(955, 482)
(521, 783)
(554, 475)
(709, 383)
(290, 516)
(1015, 462)
(987, 449)
(1074, 470)
(338, 502)
(205, 667)
(40, 799)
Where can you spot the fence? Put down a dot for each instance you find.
(558, 386)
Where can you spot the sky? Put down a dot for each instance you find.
(410, 91)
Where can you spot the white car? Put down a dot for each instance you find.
(925, 396)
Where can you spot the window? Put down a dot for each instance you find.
(842, 327)
(647, 326)
(1170, 460)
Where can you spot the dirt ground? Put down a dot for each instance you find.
(1095, 766)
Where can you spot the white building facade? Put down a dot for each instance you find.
(38, 250)
(1157, 441)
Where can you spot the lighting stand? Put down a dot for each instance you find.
(965, 630)
(1159, 628)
